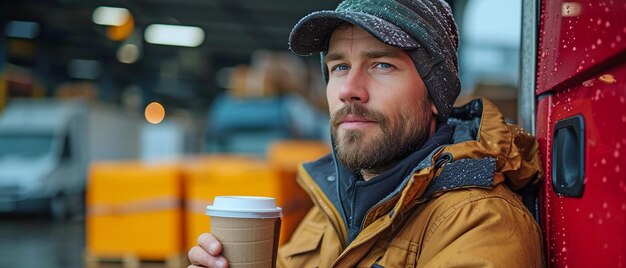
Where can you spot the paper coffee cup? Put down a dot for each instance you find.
(248, 228)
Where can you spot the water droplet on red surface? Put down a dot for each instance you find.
(591, 215)
(607, 78)
(607, 24)
(574, 49)
(604, 179)
(616, 154)
(617, 169)
(599, 41)
(603, 161)
(605, 205)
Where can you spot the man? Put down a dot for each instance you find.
(411, 182)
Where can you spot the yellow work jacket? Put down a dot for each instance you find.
(448, 213)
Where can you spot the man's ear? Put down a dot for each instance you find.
(433, 108)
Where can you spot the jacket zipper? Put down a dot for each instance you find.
(378, 205)
(389, 197)
(344, 250)
(352, 207)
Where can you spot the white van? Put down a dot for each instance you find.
(46, 147)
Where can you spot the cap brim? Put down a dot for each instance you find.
(310, 36)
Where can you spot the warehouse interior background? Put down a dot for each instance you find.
(151, 98)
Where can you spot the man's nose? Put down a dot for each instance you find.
(354, 87)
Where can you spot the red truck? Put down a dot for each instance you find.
(573, 97)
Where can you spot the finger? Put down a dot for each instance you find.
(195, 266)
(210, 244)
(200, 258)
(221, 262)
(197, 256)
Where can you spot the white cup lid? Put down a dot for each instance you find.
(244, 207)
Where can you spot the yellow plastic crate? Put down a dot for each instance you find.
(134, 209)
(207, 177)
(285, 156)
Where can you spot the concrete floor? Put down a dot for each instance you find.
(38, 241)
(27, 242)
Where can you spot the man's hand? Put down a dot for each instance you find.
(207, 253)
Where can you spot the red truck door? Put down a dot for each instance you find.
(574, 79)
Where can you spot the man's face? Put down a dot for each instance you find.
(379, 106)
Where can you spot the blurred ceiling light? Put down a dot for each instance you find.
(154, 113)
(128, 53)
(84, 69)
(174, 35)
(123, 31)
(114, 16)
(22, 29)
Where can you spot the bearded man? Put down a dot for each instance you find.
(411, 181)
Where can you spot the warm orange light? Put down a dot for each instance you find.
(123, 31)
(155, 113)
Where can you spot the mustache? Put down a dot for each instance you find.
(360, 111)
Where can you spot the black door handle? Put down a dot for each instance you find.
(568, 156)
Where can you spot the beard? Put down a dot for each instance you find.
(381, 150)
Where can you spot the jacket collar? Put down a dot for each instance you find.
(483, 143)
(357, 196)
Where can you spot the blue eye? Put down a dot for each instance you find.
(339, 67)
(383, 65)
